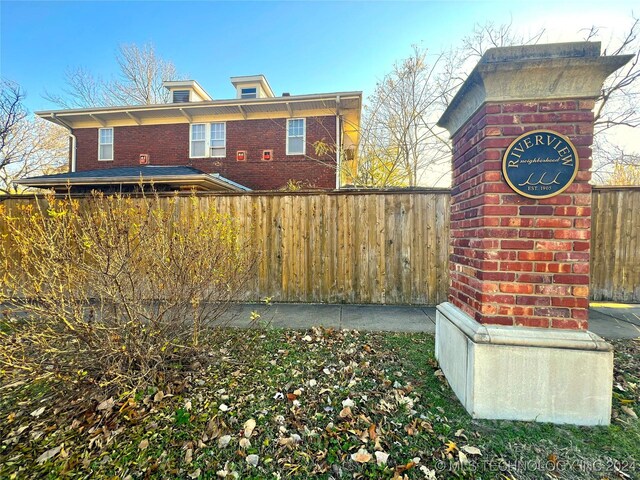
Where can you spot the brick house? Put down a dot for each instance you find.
(256, 141)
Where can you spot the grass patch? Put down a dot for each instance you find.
(301, 404)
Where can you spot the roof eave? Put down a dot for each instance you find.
(48, 114)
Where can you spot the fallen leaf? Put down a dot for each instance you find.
(49, 454)
(253, 460)
(223, 407)
(106, 405)
(345, 412)
(629, 411)
(460, 434)
(224, 441)
(361, 456)
(158, 396)
(290, 441)
(195, 474)
(36, 413)
(249, 426)
(428, 474)
(348, 403)
(143, 444)
(471, 450)
(403, 468)
(372, 431)
(245, 443)
(462, 458)
(188, 455)
(381, 458)
(451, 447)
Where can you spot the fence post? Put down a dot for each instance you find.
(513, 339)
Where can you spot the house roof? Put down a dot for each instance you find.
(348, 103)
(181, 176)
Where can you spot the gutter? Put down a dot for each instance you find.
(338, 143)
(62, 123)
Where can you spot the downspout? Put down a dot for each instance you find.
(338, 143)
(73, 140)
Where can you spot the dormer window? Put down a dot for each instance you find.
(249, 93)
(252, 86)
(183, 91)
(180, 96)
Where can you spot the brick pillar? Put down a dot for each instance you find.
(513, 339)
(520, 261)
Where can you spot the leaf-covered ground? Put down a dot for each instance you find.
(305, 404)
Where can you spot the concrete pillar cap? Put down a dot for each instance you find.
(532, 73)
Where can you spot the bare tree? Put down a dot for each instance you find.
(12, 111)
(615, 164)
(399, 139)
(82, 89)
(400, 143)
(458, 61)
(139, 81)
(618, 104)
(142, 72)
(28, 146)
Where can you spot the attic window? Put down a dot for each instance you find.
(249, 93)
(180, 96)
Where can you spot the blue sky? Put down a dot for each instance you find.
(301, 47)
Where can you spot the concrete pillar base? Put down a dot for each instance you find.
(530, 374)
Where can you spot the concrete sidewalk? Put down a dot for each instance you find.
(609, 320)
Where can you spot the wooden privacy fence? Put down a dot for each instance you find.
(346, 247)
(615, 244)
(392, 247)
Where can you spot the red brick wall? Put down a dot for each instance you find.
(520, 261)
(169, 145)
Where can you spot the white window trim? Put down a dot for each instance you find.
(304, 136)
(101, 144)
(207, 140)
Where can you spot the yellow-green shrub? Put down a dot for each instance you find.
(114, 288)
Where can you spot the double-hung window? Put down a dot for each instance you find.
(105, 144)
(296, 136)
(208, 140)
(218, 140)
(198, 140)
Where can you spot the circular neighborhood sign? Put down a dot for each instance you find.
(540, 164)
